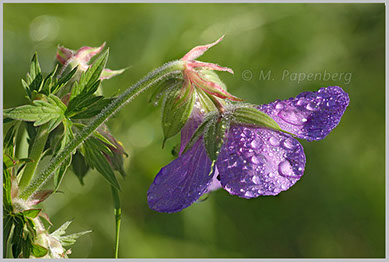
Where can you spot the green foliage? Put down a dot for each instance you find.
(214, 136)
(175, 113)
(60, 113)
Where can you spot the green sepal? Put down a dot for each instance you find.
(214, 136)
(175, 116)
(252, 116)
(161, 89)
(199, 131)
(62, 81)
(205, 102)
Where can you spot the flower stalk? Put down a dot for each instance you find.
(35, 155)
(152, 78)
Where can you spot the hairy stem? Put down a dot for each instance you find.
(35, 154)
(117, 212)
(150, 79)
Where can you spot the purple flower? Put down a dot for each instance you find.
(253, 161)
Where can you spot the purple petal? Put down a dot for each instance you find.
(190, 127)
(259, 161)
(311, 115)
(182, 182)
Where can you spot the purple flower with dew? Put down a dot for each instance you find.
(253, 161)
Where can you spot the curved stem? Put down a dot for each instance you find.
(35, 154)
(117, 212)
(150, 79)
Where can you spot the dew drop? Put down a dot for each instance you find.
(311, 106)
(256, 180)
(292, 116)
(280, 105)
(285, 168)
(288, 143)
(256, 143)
(331, 103)
(273, 141)
(248, 194)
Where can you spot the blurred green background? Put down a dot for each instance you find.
(336, 210)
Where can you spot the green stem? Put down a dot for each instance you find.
(117, 212)
(150, 79)
(36, 151)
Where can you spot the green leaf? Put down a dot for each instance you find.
(63, 81)
(83, 100)
(34, 77)
(9, 139)
(49, 81)
(7, 200)
(7, 226)
(32, 213)
(40, 112)
(38, 250)
(95, 155)
(91, 76)
(175, 116)
(253, 116)
(94, 109)
(214, 136)
(9, 162)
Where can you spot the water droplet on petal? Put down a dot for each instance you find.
(273, 141)
(256, 180)
(256, 143)
(311, 106)
(280, 105)
(292, 116)
(248, 194)
(288, 143)
(285, 168)
(331, 103)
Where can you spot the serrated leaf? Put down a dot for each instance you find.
(214, 136)
(32, 213)
(175, 116)
(63, 81)
(40, 112)
(95, 155)
(38, 250)
(252, 116)
(94, 109)
(83, 100)
(91, 76)
(49, 82)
